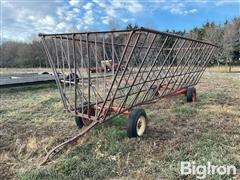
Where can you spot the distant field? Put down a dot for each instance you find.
(221, 69)
(23, 70)
(32, 122)
(224, 69)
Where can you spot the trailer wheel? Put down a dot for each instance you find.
(137, 123)
(191, 94)
(79, 121)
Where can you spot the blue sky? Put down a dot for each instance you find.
(23, 20)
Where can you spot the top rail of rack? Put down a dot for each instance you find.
(142, 29)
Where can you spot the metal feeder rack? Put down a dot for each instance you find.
(103, 74)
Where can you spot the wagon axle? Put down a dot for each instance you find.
(137, 118)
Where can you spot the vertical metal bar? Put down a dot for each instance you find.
(113, 58)
(56, 49)
(69, 62)
(79, 68)
(64, 90)
(75, 74)
(83, 83)
(63, 69)
(54, 72)
(115, 76)
(104, 65)
(89, 78)
(96, 59)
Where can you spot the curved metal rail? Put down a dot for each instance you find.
(59, 147)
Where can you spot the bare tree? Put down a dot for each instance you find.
(214, 33)
(229, 37)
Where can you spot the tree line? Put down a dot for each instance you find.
(226, 37)
(22, 55)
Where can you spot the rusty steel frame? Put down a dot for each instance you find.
(151, 60)
(150, 65)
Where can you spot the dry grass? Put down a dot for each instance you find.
(24, 70)
(224, 69)
(32, 122)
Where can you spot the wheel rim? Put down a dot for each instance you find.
(141, 125)
(91, 112)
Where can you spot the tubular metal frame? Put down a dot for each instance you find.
(145, 65)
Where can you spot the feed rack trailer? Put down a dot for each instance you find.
(144, 65)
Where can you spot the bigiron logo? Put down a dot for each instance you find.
(202, 171)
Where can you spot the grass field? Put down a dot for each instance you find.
(218, 69)
(23, 70)
(32, 121)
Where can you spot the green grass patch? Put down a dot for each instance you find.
(209, 97)
(109, 140)
(27, 88)
(185, 109)
(119, 121)
(42, 173)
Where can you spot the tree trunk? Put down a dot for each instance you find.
(230, 66)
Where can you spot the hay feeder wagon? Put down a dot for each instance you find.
(103, 74)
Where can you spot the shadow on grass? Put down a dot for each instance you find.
(28, 88)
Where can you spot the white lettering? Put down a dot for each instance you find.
(185, 168)
(201, 171)
(231, 170)
(221, 170)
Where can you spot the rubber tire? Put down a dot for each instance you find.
(132, 122)
(191, 94)
(79, 122)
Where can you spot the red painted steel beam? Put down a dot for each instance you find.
(180, 92)
(177, 93)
